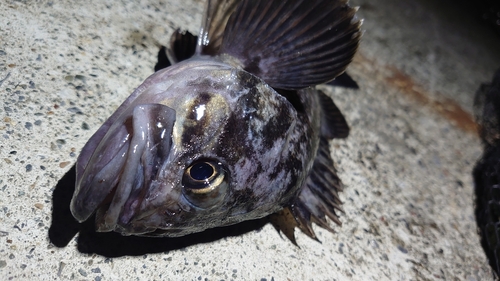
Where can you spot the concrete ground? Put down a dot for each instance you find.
(66, 65)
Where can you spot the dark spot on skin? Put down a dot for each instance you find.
(203, 98)
(277, 170)
(248, 81)
(233, 140)
(259, 168)
(294, 167)
(293, 164)
(245, 198)
(276, 128)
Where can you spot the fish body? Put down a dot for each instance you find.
(487, 171)
(232, 132)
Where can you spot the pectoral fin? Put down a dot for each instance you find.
(318, 199)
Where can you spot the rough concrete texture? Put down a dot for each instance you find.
(66, 65)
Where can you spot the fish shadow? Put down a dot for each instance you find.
(64, 227)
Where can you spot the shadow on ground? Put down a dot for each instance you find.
(110, 244)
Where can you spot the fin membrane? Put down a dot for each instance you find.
(333, 123)
(284, 221)
(318, 199)
(293, 44)
(345, 81)
(163, 61)
(182, 47)
(217, 13)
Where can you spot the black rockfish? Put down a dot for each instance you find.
(234, 130)
(487, 170)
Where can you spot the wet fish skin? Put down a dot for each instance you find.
(253, 115)
(206, 142)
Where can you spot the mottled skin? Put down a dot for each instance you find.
(236, 132)
(266, 146)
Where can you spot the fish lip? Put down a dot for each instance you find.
(134, 219)
(171, 232)
(115, 185)
(140, 229)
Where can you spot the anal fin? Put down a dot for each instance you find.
(318, 198)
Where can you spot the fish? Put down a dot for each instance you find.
(486, 173)
(229, 128)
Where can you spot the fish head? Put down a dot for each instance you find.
(199, 145)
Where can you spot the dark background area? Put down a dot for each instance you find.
(486, 11)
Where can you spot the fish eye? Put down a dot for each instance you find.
(204, 183)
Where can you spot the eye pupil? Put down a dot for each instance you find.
(204, 183)
(201, 171)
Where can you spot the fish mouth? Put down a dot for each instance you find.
(153, 232)
(154, 221)
(123, 167)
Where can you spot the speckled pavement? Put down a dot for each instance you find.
(67, 65)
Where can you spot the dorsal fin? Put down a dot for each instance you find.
(182, 46)
(217, 13)
(292, 44)
(333, 123)
(163, 61)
